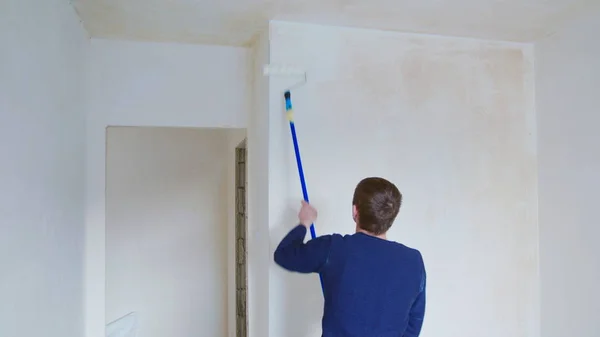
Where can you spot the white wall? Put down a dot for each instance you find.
(166, 229)
(41, 175)
(567, 94)
(169, 83)
(259, 256)
(150, 84)
(452, 122)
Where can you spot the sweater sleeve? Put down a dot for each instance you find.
(417, 311)
(295, 255)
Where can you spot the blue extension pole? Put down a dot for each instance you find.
(290, 116)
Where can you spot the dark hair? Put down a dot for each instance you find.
(378, 203)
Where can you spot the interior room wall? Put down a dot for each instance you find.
(567, 86)
(259, 257)
(166, 229)
(42, 54)
(410, 112)
(452, 122)
(150, 84)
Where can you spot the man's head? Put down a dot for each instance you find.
(376, 204)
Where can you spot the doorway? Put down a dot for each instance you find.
(167, 230)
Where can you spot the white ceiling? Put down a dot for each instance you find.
(235, 22)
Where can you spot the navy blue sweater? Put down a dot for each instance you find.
(372, 287)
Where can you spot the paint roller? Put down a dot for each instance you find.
(293, 72)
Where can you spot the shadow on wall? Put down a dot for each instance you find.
(301, 299)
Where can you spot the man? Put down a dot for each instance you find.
(372, 287)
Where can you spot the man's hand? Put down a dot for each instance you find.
(307, 214)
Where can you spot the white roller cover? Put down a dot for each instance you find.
(126, 326)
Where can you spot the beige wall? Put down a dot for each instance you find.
(452, 122)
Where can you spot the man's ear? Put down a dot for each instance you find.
(354, 213)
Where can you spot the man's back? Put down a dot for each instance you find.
(372, 287)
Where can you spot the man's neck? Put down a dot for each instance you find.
(380, 236)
